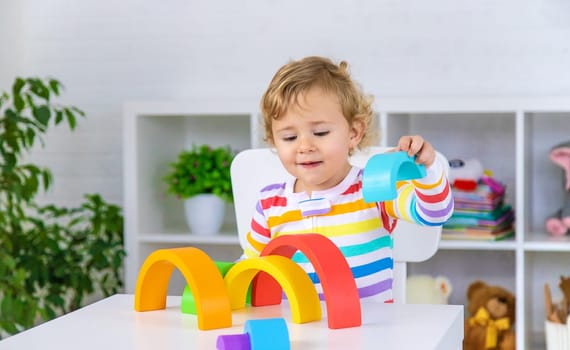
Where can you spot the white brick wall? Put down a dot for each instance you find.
(107, 52)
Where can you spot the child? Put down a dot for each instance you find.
(315, 116)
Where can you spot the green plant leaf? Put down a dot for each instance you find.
(42, 114)
(58, 116)
(39, 88)
(70, 118)
(17, 89)
(19, 103)
(10, 159)
(55, 86)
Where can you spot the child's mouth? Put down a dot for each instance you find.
(310, 164)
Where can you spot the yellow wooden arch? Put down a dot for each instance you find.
(302, 295)
(201, 274)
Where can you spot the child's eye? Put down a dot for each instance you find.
(289, 138)
(321, 133)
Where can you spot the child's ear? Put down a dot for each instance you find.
(357, 130)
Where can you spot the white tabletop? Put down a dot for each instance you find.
(112, 323)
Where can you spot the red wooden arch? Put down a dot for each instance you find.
(339, 286)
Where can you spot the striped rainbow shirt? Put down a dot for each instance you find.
(361, 230)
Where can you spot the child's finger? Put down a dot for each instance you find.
(416, 144)
(404, 143)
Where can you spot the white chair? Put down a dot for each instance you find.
(253, 169)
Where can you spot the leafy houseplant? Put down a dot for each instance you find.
(201, 176)
(200, 170)
(51, 258)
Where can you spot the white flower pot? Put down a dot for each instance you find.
(204, 214)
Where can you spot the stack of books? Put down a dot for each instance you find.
(481, 214)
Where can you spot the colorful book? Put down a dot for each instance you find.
(461, 205)
(478, 235)
(493, 203)
(482, 193)
(483, 214)
(480, 230)
(459, 221)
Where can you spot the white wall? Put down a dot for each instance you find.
(10, 41)
(107, 52)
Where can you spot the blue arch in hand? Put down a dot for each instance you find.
(383, 170)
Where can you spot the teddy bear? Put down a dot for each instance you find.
(558, 224)
(425, 289)
(490, 324)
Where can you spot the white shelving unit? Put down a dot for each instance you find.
(154, 134)
(511, 137)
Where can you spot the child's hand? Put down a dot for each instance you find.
(416, 145)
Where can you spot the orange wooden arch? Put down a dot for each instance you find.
(201, 274)
(339, 286)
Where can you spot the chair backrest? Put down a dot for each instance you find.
(253, 169)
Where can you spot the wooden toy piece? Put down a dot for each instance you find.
(263, 334)
(548, 308)
(188, 304)
(302, 295)
(383, 170)
(201, 274)
(339, 287)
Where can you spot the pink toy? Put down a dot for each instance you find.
(559, 223)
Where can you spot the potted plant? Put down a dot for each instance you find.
(201, 177)
(51, 258)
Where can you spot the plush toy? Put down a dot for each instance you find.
(465, 175)
(559, 223)
(490, 324)
(425, 289)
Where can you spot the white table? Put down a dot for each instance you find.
(112, 323)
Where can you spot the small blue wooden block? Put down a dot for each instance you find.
(269, 333)
(261, 334)
(383, 170)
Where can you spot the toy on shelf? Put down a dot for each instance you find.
(480, 210)
(213, 307)
(263, 334)
(558, 313)
(559, 223)
(383, 170)
(557, 327)
(491, 318)
(425, 289)
(465, 174)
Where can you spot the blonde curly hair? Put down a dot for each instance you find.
(298, 77)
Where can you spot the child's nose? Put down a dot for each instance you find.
(306, 145)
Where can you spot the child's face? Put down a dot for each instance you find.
(313, 140)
